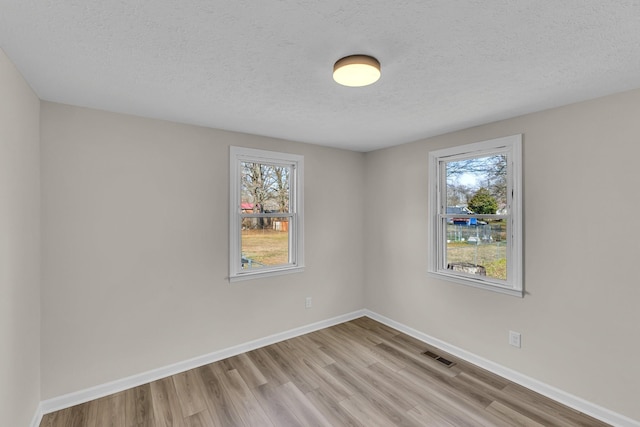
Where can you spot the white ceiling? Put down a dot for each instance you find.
(264, 66)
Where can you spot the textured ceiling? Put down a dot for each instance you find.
(264, 66)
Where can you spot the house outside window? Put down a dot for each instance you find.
(266, 213)
(475, 214)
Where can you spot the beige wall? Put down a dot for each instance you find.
(135, 246)
(19, 248)
(579, 320)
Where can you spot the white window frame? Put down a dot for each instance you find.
(296, 216)
(511, 146)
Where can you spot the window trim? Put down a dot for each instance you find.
(512, 147)
(296, 226)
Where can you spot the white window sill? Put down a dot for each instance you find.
(478, 284)
(261, 274)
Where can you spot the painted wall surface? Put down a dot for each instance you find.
(19, 248)
(579, 319)
(135, 246)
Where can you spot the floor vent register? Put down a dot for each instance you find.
(446, 362)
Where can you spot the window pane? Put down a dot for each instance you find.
(265, 188)
(265, 242)
(479, 249)
(477, 185)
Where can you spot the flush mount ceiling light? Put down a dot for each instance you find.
(356, 70)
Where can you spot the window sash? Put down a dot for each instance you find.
(511, 148)
(443, 261)
(268, 215)
(291, 244)
(238, 156)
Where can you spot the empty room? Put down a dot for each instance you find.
(297, 213)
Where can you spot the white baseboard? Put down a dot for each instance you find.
(37, 417)
(560, 396)
(82, 396)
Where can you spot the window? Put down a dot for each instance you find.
(266, 222)
(475, 214)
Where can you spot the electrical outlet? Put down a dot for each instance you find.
(515, 339)
(307, 302)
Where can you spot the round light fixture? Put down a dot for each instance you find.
(356, 70)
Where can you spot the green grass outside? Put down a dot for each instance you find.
(269, 247)
(266, 246)
(492, 256)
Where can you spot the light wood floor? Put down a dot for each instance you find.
(359, 373)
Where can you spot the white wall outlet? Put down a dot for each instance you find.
(307, 302)
(515, 339)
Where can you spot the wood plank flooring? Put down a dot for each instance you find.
(359, 373)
